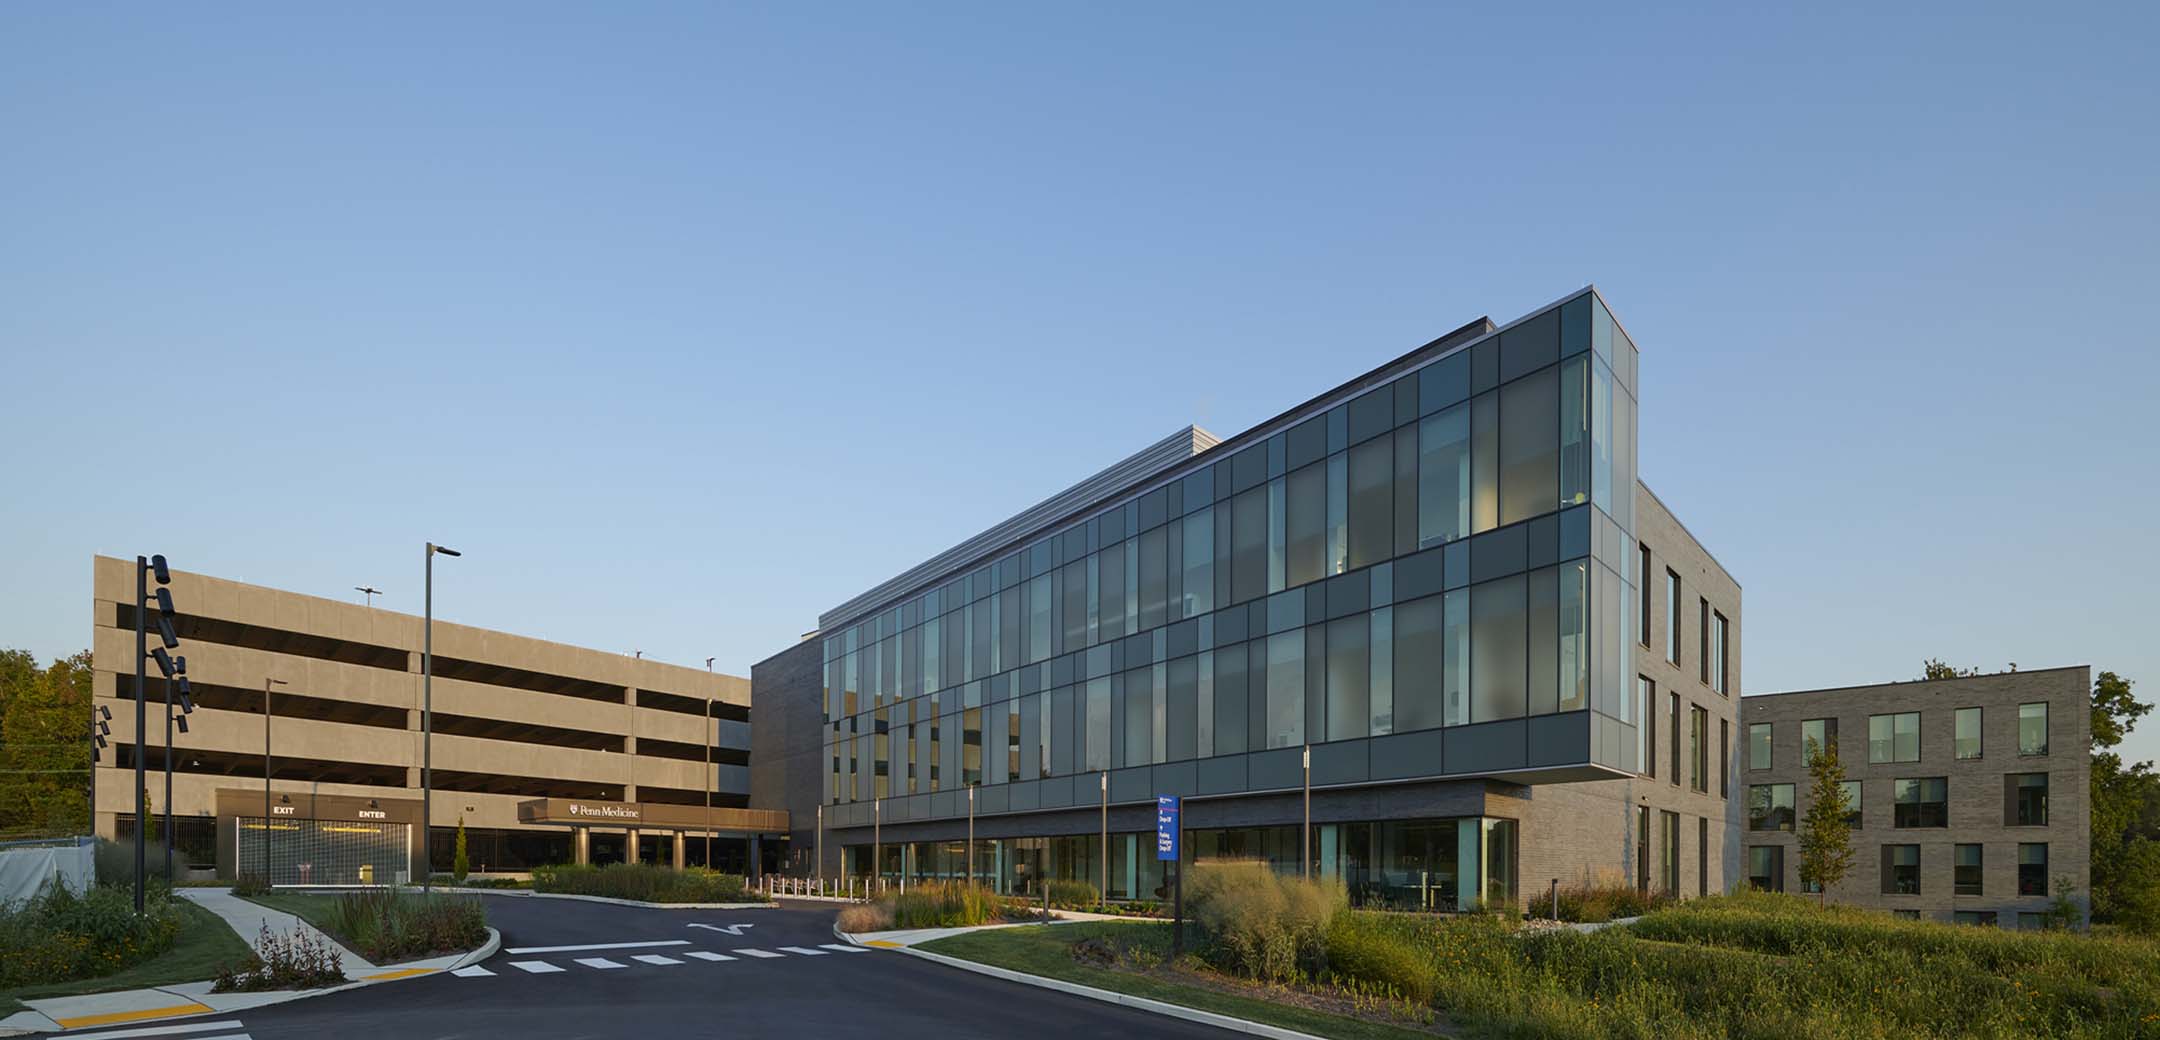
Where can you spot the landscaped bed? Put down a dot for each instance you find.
(387, 926)
(1754, 966)
(199, 941)
(645, 883)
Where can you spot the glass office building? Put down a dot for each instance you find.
(1424, 575)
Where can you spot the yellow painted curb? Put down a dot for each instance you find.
(883, 943)
(402, 974)
(131, 1016)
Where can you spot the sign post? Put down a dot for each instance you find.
(1168, 849)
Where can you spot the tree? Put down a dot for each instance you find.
(44, 745)
(458, 864)
(1826, 852)
(1934, 669)
(2125, 814)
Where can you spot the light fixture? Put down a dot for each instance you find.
(158, 570)
(164, 661)
(180, 721)
(165, 631)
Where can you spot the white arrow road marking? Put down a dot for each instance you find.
(654, 958)
(598, 946)
(472, 972)
(600, 962)
(707, 955)
(535, 967)
(731, 929)
(804, 950)
(760, 953)
(842, 947)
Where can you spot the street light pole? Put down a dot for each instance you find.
(427, 718)
(1106, 840)
(182, 663)
(971, 835)
(1305, 835)
(709, 738)
(142, 824)
(267, 683)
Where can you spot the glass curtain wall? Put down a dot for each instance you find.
(1442, 550)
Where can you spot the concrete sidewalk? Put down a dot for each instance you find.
(194, 998)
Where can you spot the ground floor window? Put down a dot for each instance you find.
(2032, 869)
(1766, 867)
(1978, 918)
(491, 850)
(1435, 864)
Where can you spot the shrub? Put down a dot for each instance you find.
(114, 862)
(387, 926)
(1369, 956)
(1074, 895)
(459, 866)
(945, 904)
(300, 960)
(60, 934)
(644, 882)
(1597, 902)
(1262, 925)
(250, 885)
(867, 917)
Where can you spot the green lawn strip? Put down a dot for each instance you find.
(1047, 951)
(204, 944)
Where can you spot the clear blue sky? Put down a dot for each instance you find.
(687, 323)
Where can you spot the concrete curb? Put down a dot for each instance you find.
(1158, 1007)
(197, 992)
(637, 903)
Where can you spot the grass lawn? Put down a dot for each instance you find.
(204, 943)
(313, 909)
(1047, 951)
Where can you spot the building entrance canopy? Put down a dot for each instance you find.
(578, 812)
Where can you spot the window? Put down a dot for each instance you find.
(2032, 729)
(1720, 663)
(1817, 734)
(1770, 807)
(1672, 617)
(1724, 758)
(1649, 719)
(1530, 446)
(1766, 867)
(1498, 649)
(1286, 689)
(1906, 915)
(1669, 858)
(1699, 749)
(2032, 869)
(1975, 918)
(1702, 660)
(1642, 576)
(1675, 700)
(1852, 802)
(1966, 880)
(1968, 733)
(1901, 870)
(1642, 849)
(1702, 855)
(1758, 745)
(1924, 802)
(2027, 798)
(1894, 738)
(2031, 922)
(1444, 477)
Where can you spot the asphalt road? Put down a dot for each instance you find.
(879, 994)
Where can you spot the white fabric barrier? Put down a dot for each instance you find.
(25, 870)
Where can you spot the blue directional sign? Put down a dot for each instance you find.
(1166, 827)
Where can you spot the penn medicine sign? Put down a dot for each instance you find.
(606, 812)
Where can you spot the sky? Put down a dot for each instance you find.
(687, 323)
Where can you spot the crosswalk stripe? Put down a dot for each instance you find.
(707, 955)
(230, 1036)
(598, 946)
(600, 962)
(760, 953)
(472, 972)
(804, 950)
(842, 947)
(654, 958)
(536, 967)
(172, 1030)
